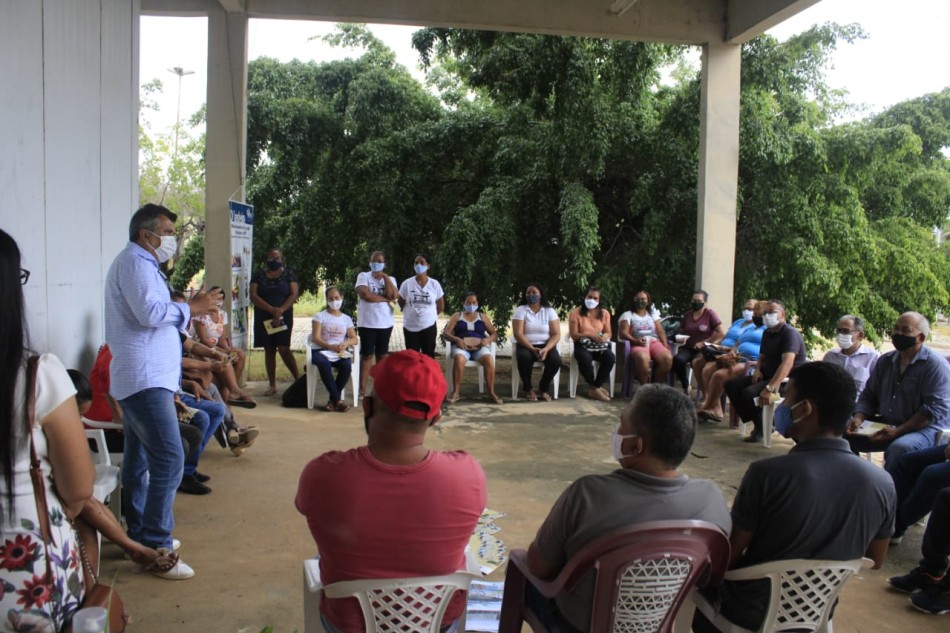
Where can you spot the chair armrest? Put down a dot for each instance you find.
(763, 570)
(311, 571)
(547, 588)
(101, 456)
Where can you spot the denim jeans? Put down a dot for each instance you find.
(209, 417)
(936, 545)
(325, 366)
(918, 477)
(152, 466)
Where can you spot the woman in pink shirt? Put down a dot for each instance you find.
(701, 325)
(590, 332)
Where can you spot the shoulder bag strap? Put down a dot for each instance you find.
(36, 472)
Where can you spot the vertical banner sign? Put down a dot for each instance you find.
(242, 232)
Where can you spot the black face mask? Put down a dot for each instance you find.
(697, 305)
(273, 264)
(639, 304)
(757, 321)
(903, 341)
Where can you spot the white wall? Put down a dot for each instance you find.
(68, 157)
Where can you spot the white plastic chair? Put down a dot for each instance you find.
(450, 360)
(388, 604)
(803, 593)
(313, 377)
(106, 484)
(574, 374)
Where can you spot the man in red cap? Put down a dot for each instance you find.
(392, 508)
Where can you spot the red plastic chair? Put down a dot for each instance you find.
(642, 576)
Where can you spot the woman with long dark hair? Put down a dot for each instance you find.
(537, 330)
(31, 599)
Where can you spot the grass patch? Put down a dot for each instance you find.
(254, 370)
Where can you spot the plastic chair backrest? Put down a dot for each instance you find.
(402, 604)
(643, 573)
(802, 591)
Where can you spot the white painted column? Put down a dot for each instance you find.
(718, 175)
(226, 139)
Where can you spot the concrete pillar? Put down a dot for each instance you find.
(226, 140)
(718, 175)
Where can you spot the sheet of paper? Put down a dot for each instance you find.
(870, 428)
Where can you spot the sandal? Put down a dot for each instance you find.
(546, 396)
(242, 401)
(270, 391)
(496, 399)
(342, 407)
(531, 396)
(452, 399)
(165, 561)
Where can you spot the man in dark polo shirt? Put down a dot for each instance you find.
(819, 502)
(782, 349)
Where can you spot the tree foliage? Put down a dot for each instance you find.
(566, 161)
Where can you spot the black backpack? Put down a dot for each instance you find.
(295, 397)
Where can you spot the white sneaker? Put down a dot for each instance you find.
(181, 571)
(176, 545)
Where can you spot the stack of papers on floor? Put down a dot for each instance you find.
(484, 606)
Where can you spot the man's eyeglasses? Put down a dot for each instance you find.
(844, 330)
(24, 276)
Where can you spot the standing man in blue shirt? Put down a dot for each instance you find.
(141, 324)
(909, 390)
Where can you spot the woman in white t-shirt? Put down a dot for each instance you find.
(333, 333)
(420, 299)
(378, 294)
(28, 602)
(642, 327)
(537, 330)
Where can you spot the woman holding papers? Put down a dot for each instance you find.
(273, 292)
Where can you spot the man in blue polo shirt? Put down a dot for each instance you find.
(909, 390)
(141, 324)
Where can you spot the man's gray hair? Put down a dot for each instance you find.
(858, 322)
(666, 418)
(147, 218)
(923, 325)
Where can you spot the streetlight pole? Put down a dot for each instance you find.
(178, 70)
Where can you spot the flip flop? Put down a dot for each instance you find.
(245, 402)
(709, 417)
(271, 391)
(452, 399)
(546, 396)
(531, 397)
(165, 562)
(496, 399)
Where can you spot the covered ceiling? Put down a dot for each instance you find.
(669, 21)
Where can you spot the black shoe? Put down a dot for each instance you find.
(201, 477)
(755, 437)
(934, 600)
(191, 486)
(916, 580)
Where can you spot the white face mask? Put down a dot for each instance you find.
(770, 320)
(747, 315)
(845, 341)
(616, 444)
(377, 267)
(420, 268)
(591, 303)
(336, 305)
(167, 249)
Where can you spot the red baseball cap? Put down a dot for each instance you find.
(410, 383)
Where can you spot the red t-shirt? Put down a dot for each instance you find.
(99, 381)
(375, 520)
(699, 330)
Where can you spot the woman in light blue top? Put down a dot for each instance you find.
(703, 363)
(731, 364)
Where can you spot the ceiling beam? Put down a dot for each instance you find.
(234, 6)
(746, 19)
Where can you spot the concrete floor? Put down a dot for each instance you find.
(246, 541)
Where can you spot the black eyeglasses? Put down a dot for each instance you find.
(24, 276)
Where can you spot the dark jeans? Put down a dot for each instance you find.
(546, 610)
(936, 546)
(421, 341)
(741, 392)
(526, 359)
(585, 363)
(918, 477)
(681, 363)
(343, 366)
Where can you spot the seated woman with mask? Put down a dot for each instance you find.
(470, 334)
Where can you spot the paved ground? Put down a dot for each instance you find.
(246, 540)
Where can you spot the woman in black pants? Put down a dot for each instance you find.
(421, 301)
(537, 331)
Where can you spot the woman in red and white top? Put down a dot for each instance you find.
(641, 326)
(589, 327)
(211, 330)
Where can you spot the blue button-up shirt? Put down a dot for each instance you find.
(925, 386)
(859, 364)
(142, 324)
